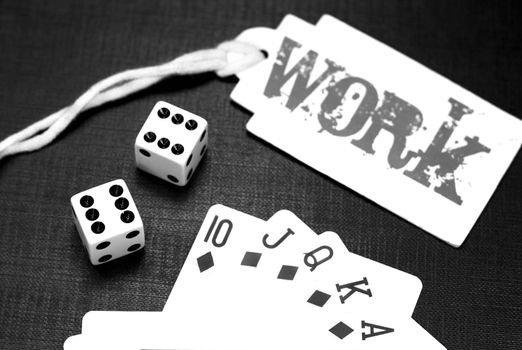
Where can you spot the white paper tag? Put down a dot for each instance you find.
(378, 122)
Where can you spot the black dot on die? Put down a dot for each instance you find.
(132, 234)
(203, 135)
(189, 174)
(163, 143)
(149, 137)
(127, 216)
(203, 150)
(163, 113)
(116, 190)
(134, 247)
(177, 118)
(92, 214)
(177, 149)
(86, 201)
(172, 178)
(145, 153)
(121, 203)
(103, 245)
(191, 124)
(105, 258)
(98, 227)
(188, 160)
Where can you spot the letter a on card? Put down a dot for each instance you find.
(378, 122)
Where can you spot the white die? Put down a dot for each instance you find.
(171, 143)
(108, 221)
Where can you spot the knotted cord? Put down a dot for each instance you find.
(226, 59)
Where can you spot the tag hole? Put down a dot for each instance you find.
(265, 53)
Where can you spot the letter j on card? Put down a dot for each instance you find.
(378, 122)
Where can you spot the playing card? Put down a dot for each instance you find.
(208, 294)
(379, 123)
(83, 342)
(373, 332)
(220, 232)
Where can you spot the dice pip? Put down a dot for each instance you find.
(171, 143)
(108, 221)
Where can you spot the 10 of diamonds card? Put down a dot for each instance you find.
(378, 122)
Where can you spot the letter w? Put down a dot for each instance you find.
(301, 90)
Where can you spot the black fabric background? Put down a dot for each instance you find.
(50, 52)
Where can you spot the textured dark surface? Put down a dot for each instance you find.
(50, 52)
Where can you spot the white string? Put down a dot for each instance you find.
(219, 60)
